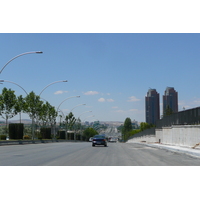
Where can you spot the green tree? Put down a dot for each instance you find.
(47, 116)
(52, 114)
(89, 132)
(20, 105)
(8, 105)
(126, 128)
(168, 111)
(78, 125)
(144, 125)
(70, 121)
(43, 114)
(133, 132)
(33, 106)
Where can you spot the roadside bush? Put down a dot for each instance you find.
(61, 134)
(78, 137)
(26, 137)
(70, 136)
(46, 133)
(39, 136)
(2, 137)
(89, 132)
(16, 131)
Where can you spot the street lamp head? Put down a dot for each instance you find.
(38, 52)
(65, 81)
(78, 96)
(1, 80)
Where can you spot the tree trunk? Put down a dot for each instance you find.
(6, 125)
(33, 131)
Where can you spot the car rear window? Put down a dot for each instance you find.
(98, 136)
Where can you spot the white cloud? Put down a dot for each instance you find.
(197, 102)
(60, 92)
(101, 100)
(133, 110)
(91, 93)
(133, 99)
(120, 111)
(110, 100)
(115, 107)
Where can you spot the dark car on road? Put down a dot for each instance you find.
(99, 140)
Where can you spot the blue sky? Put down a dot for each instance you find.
(110, 72)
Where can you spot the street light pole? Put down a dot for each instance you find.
(71, 111)
(15, 84)
(88, 117)
(84, 113)
(1, 81)
(38, 52)
(65, 100)
(77, 106)
(51, 84)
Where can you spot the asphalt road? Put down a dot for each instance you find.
(83, 154)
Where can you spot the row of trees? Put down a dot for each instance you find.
(42, 113)
(11, 105)
(127, 128)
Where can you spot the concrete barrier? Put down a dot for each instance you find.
(182, 135)
(146, 138)
(148, 135)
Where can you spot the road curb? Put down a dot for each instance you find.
(176, 149)
(21, 142)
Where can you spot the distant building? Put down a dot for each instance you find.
(135, 124)
(87, 123)
(170, 98)
(152, 106)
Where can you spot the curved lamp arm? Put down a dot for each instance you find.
(19, 56)
(65, 100)
(15, 84)
(77, 106)
(51, 84)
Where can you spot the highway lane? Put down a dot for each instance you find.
(83, 154)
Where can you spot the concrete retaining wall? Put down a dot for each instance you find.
(147, 135)
(181, 135)
(146, 138)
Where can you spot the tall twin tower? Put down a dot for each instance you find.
(152, 103)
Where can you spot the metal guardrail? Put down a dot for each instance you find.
(147, 132)
(186, 117)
